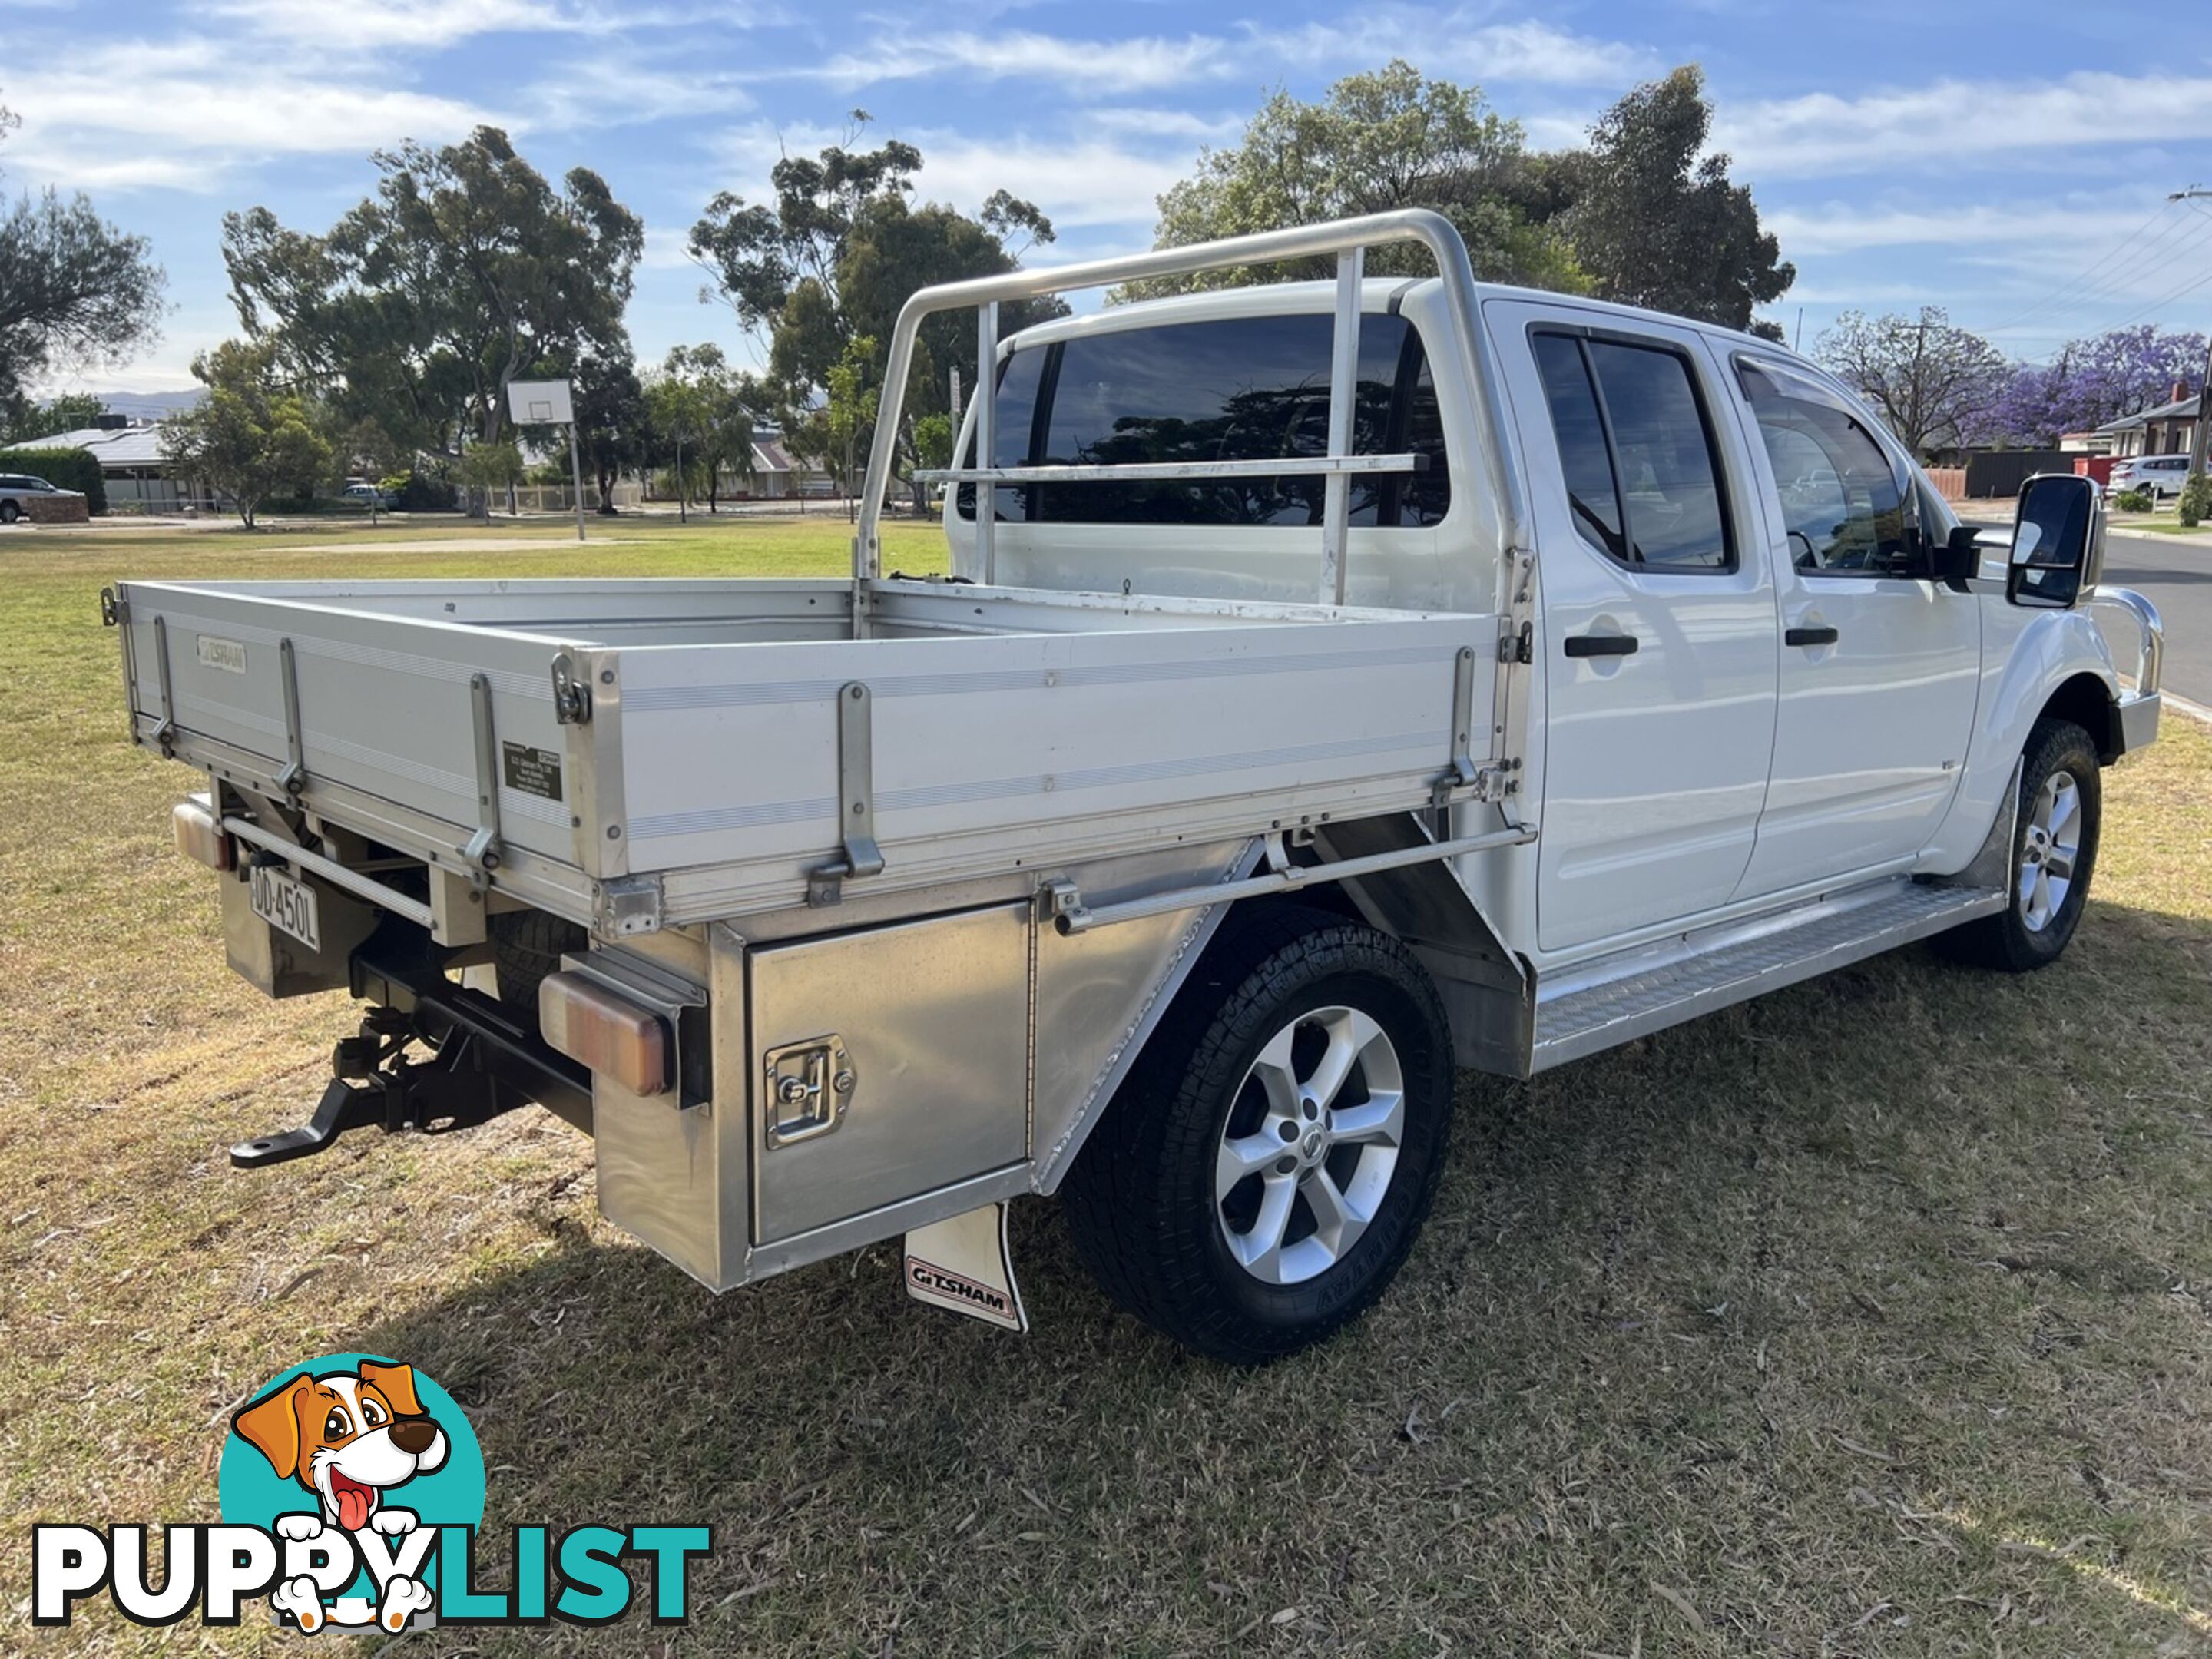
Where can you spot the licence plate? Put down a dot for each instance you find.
(285, 903)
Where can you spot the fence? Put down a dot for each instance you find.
(1950, 481)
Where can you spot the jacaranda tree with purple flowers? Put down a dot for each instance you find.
(2094, 380)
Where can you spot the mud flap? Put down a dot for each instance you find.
(963, 1264)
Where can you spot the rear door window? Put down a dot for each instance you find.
(1227, 389)
(1643, 479)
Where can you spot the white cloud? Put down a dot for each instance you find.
(1089, 178)
(1079, 182)
(1950, 124)
(338, 26)
(1454, 44)
(1092, 68)
(175, 116)
(1844, 227)
(1443, 42)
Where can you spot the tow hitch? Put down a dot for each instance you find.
(480, 1061)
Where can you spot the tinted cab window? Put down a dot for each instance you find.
(1637, 451)
(1843, 503)
(1229, 389)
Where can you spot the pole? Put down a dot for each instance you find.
(576, 476)
(2202, 429)
(683, 505)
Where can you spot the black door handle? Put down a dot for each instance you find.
(1808, 636)
(1601, 645)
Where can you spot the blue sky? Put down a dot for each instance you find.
(2008, 161)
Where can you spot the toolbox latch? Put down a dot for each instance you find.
(806, 1087)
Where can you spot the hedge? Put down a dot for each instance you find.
(64, 469)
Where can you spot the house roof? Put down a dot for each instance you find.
(117, 445)
(2181, 409)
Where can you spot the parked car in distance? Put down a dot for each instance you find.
(16, 489)
(358, 494)
(2161, 475)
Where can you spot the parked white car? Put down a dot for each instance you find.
(359, 494)
(2164, 476)
(1341, 683)
(18, 491)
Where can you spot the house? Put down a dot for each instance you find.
(138, 475)
(2166, 429)
(779, 475)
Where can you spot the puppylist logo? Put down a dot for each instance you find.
(352, 1489)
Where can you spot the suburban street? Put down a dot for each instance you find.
(2178, 579)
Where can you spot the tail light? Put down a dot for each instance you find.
(200, 833)
(597, 1029)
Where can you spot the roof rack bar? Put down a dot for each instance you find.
(987, 437)
(1343, 394)
(1432, 230)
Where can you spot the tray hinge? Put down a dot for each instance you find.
(856, 799)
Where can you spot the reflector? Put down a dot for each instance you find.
(595, 1028)
(200, 833)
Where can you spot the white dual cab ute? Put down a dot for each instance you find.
(1343, 681)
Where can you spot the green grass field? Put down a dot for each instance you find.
(1873, 1317)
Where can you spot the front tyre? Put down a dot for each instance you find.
(2054, 853)
(1262, 1172)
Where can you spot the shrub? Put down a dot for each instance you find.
(2133, 501)
(2196, 499)
(64, 469)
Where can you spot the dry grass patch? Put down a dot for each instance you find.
(1874, 1318)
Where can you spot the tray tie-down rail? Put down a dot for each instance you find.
(482, 1062)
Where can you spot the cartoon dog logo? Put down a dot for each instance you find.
(348, 1437)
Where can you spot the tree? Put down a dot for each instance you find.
(465, 271)
(250, 437)
(933, 448)
(70, 411)
(715, 408)
(1654, 219)
(490, 466)
(1641, 215)
(72, 286)
(2088, 382)
(613, 426)
(838, 252)
(1388, 138)
(1930, 380)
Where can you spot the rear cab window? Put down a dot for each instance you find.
(1219, 389)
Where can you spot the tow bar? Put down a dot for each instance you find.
(482, 1062)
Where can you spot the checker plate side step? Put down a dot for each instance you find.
(1614, 1001)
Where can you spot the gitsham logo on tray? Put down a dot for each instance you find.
(352, 1490)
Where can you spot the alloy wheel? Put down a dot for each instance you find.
(1310, 1145)
(2049, 851)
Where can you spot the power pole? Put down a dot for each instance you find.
(2203, 426)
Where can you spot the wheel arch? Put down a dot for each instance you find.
(2085, 700)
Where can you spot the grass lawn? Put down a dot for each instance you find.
(1873, 1317)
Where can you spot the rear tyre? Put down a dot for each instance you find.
(526, 945)
(2054, 853)
(9, 512)
(1261, 1175)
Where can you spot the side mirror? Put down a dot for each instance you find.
(2057, 542)
(1957, 560)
